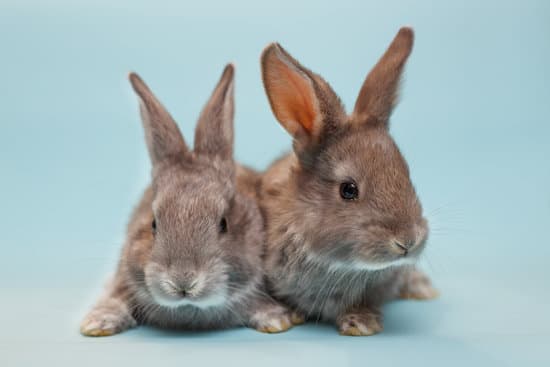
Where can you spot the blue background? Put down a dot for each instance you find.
(473, 124)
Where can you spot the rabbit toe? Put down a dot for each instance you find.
(359, 324)
(419, 287)
(106, 323)
(274, 320)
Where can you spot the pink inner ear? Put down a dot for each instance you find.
(292, 97)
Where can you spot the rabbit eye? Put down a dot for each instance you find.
(349, 191)
(223, 225)
(154, 226)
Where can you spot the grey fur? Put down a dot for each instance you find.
(220, 273)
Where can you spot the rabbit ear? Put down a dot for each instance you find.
(163, 136)
(214, 131)
(379, 92)
(291, 92)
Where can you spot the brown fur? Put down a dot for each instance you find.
(328, 257)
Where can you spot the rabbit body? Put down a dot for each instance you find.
(193, 253)
(344, 224)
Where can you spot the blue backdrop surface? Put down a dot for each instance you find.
(473, 124)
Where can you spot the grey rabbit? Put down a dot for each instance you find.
(192, 257)
(344, 224)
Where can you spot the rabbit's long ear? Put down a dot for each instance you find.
(379, 92)
(214, 131)
(292, 93)
(163, 136)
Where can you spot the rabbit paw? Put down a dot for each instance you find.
(418, 286)
(106, 321)
(273, 319)
(297, 318)
(359, 323)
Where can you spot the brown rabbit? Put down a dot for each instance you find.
(192, 257)
(344, 224)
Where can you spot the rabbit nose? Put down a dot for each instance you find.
(404, 247)
(185, 289)
(183, 293)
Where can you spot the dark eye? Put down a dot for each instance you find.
(223, 225)
(349, 191)
(154, 226)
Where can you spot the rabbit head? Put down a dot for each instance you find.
(186, 262)
(349, 180)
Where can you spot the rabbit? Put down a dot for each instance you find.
(344, 224)
(193, 253)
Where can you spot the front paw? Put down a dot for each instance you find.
(359, 323)
(418, 286)
(106, 321)
(297, 318)
(273, 318)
